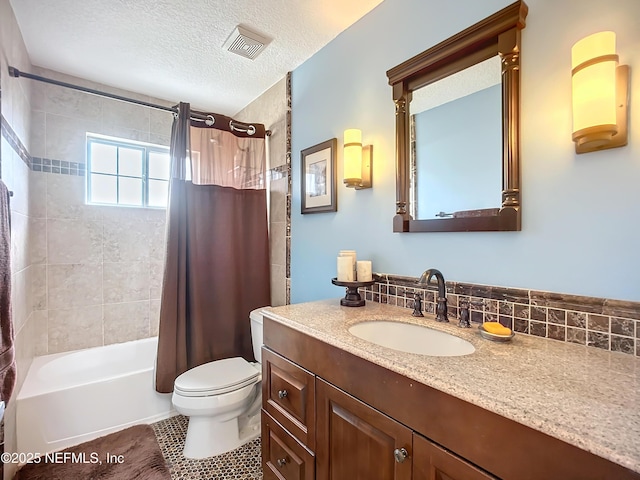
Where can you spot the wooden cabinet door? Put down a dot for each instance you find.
(357, 442)
(432, 462)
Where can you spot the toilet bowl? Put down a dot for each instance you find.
(222, 400)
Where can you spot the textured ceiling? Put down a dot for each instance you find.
(470, 80)
(172, 49)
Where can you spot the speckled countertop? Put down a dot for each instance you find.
(584, 396)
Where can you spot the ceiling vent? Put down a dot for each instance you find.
(245, 42)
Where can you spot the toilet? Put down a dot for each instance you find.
(222, 400)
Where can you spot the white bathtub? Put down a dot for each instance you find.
(69, 398)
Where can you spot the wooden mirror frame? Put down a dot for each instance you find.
(498, 34)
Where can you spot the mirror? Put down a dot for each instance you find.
(456, 143)
(457, 130)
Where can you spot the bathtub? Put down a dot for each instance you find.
(69, 398)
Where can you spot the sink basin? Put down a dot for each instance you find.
(411, 338)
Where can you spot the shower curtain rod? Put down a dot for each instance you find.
(240, 126)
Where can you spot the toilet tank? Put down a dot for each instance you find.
(256, 332)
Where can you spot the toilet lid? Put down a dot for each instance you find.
(220, 376)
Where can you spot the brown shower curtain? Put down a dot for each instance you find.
(217, 259)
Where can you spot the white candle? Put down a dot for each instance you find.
(351, 254)
(345, 269)
(364, 271)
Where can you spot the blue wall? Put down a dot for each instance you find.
(581, 213)
(459, 154)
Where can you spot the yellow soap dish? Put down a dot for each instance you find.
(494, 337)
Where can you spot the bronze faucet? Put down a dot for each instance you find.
(441, 307)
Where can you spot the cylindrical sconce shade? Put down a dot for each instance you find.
(594, 62)
(352, 157)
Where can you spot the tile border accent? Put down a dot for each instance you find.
(38, 164)
(14, 141)
(58, 166)
(612, 325)
(287, 166)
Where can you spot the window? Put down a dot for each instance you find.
(122, 172)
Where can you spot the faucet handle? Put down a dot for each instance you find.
(464, 314)
(464, 305)
(417, 305)
(442, 214)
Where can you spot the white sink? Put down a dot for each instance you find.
(411, 338)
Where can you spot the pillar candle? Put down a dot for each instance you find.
(351, 254)
(345, 269)
(364, 271)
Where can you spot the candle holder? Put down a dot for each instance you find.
(353, 297)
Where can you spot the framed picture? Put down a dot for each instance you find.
(318, 179)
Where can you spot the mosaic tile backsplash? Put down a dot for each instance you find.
(597, 322)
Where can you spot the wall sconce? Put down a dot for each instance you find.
(357, 160)
(600, 91)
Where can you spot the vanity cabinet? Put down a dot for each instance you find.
(344, 417)
(353, 440)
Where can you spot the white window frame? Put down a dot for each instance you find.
(146, 148)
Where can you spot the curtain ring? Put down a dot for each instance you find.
(250, 130)
(210, 120)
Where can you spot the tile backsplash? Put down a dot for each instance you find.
(597, 322)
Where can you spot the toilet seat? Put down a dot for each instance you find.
(216, 378)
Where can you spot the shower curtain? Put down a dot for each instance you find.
(217, 258)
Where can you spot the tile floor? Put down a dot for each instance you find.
(240, 464)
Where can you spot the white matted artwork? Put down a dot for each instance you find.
(318, 179)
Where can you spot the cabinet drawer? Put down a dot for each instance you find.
(283, 457)
(288, 395)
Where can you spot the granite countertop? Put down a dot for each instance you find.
(584, 396)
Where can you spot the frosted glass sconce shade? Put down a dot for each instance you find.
(599, 90)
(357, 160)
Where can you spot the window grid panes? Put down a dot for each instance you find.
(127, 174)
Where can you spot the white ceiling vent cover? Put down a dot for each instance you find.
(245, 43)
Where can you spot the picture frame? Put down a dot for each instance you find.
(318, 180)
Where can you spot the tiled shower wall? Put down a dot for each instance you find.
(15, 108)
(273, 109)
(101, 267)
(596, 322)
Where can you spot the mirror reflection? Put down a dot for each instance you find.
(456, 143)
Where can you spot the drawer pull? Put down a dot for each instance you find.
(281, 462)
(400, 454)
(282, 393)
